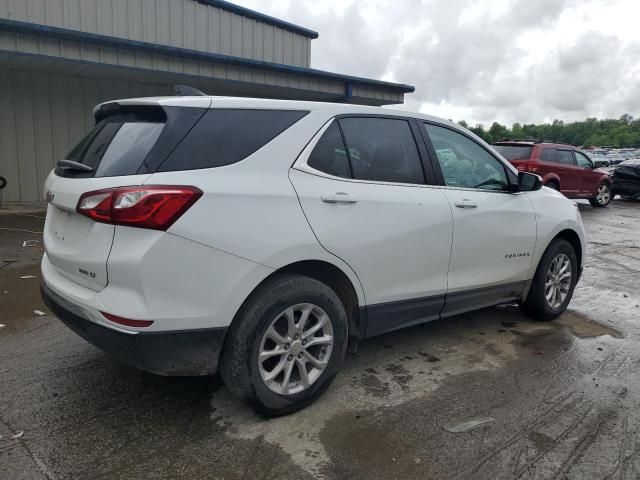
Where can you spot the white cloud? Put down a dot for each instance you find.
(483, 60)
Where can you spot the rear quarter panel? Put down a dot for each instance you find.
(250, 209)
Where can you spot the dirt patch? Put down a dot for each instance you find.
(428, 357)
(400, 375)
(373, 385)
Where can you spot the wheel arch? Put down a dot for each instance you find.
(332, 276)
(552, 177)
(568, 235)
(574, 240)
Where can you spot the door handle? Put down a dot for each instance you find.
(465, 203)
(338, 197)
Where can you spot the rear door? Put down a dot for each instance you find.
(363, 188)
(494, 230)
(116, 149)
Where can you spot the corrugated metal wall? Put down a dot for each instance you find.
(177, 23)
(122, 57)
(42, 116)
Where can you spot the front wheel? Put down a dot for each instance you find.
(286, 345)
(603, 196)
(553, 284)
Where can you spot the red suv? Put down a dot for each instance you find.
(562, 167)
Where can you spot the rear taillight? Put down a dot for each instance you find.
(156, 207)
(529, 167)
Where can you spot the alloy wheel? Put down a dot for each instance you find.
(558, 281)
(295, 349)
(604, 194)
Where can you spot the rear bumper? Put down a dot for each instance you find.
(188, 352)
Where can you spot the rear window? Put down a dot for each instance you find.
(119, 143)
(514, 152)
(223, 137)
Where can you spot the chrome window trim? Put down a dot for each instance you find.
(301, 165)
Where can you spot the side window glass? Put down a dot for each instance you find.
(382, 149)
(227, 136)
(583, 160)
(565, 157)
(549, 155)
(464, 163)
(330, 155)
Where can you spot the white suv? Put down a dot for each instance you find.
(260, 236)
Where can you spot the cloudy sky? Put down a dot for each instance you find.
(483, 60)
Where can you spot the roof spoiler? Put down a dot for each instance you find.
(187, 91)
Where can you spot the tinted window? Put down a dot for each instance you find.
(565, 157)
(223, 137)
(514, 152)
(583, 160)
(548, 155)
(330, 154)
(464, 163)
(119, 143)
(382, 149)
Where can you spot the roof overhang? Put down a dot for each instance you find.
(260, 17)
(252, 76)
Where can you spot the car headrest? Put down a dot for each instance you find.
(388, 158)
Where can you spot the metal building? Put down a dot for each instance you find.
(59, 58)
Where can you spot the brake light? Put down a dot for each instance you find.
(127, 321)
(156, 207)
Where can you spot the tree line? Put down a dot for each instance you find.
(619, 133)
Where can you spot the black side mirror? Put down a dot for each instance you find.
(529, 182)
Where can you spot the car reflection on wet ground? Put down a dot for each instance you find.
(556, 400)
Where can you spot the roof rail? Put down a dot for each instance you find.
(517, 140)
(532, 140)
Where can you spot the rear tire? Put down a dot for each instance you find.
(550, 277)
(281, 305)
(604, 196)
(553, 185)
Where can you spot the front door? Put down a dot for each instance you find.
(560, 162)
(494, 230)
(590, 180)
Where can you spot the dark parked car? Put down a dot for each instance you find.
(562, 167)
(626, 180)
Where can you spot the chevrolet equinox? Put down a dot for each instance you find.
(261, 238)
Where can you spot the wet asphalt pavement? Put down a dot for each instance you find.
(564, 396)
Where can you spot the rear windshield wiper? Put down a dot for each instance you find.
(71, 165)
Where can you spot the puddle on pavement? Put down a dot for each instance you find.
(20, 297)
(583, 327)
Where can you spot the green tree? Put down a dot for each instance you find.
(621, 132)
(498, 132)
